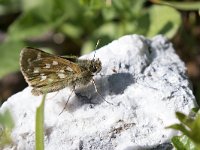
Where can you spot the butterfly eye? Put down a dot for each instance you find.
(94, 68)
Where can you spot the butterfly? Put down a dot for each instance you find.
(49, 73)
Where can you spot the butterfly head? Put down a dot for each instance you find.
(95, 66)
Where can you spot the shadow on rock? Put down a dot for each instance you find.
(119, 82)
(106, 85)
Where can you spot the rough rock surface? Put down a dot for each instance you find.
(144, 80)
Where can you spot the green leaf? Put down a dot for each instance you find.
(9, 57)
(9, 6)
(179, 127)
(107, 29)
(6, 126)
(185, 119)
(39, 127)
(190, 127)
(94, 4)
(30, 4)
(195, 135)
(6, 120)
(45, 16)
(183, 5)
(87, 47)
(183, 143)
(163, 20)
(71, 30)
(129, 7)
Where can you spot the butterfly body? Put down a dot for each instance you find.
(49, 73)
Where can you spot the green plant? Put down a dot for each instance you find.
(190, 128)
(6, 126)
(181, 5)
(39, 126)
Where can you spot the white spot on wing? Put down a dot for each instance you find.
(61, 75)
(43, 78)
(29, 61)
(48, 66)
(39, 55)
(55, 63)
(62, 71)
(36, 70)
(69, 69)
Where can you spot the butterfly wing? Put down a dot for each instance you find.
(46, 72)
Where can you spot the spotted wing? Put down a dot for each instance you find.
(46, 72)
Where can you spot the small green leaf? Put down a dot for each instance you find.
(94, 4)
(43, 17)
(9, 57)
(6, 120)
(185, 119)
(9, 6)
(183, 143)
(30, 4)
(195, 135)
(31, 24)
(179, 127)
(129, 7)
(183, 5)
(190, 127)
(71, 30)
(87, 47)
(107, 29)
(6, 126)
(163, 20)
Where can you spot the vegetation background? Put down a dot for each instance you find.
(73, 27)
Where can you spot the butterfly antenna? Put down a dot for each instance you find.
(72, 91)
(96, 48)
(99, 93)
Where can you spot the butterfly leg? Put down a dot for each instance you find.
(72, 91)
(99, 93)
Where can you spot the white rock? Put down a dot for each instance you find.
(144, 79)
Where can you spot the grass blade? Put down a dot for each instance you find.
(39, 127)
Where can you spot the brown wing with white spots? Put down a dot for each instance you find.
(46, 72)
